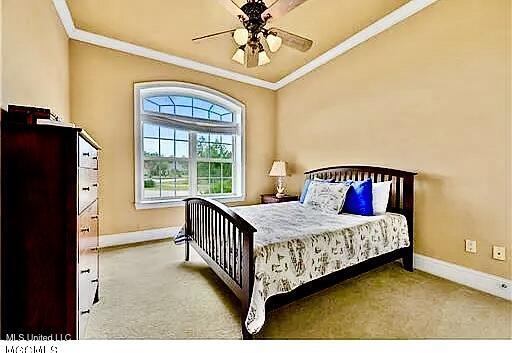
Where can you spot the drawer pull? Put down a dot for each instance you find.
(86, 154)
(86, 271)
(85, 229)
(83, 312)
(95, 217)
(94, 280)
(86, 189)
(94, 249)
(95, 185)
(95, 158)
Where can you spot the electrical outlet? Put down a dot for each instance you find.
(498, 253)
(470, 246)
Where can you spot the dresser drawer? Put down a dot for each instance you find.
(88, 227)
(88, 266)
(87, 154)
(87, 187)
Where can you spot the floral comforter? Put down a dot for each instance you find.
(295, 244)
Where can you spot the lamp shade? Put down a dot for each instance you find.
(278, 169)
(239, 55)
(241, 36)
(274, 42)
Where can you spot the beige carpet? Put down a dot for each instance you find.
(147, 291)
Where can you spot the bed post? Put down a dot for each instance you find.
(247, 278)
(187, 231)
(408, 258)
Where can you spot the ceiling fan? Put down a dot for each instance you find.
(255, 42)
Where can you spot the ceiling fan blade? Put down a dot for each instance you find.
(265, 46)
(280, 8)
(214, 34)
(233, 8)
(251, 56)
(293, 40)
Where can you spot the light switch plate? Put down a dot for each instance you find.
(498, 253)
(470, 246)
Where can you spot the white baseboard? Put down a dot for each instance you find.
(137, 237)
(498, 286)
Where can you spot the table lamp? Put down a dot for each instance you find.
(279, 170)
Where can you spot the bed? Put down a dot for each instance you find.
(269, 255)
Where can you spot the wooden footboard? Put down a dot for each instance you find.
(225, 241)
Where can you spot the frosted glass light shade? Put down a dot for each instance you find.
(241, 36)
(278, 169)
(274, 42)
(239, 56)
(263, 58)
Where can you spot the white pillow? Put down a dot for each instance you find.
(380, 197)
(326, 197)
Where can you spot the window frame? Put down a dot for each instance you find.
(145, 89)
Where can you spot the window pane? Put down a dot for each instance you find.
(227, 169)
(227, 117)
(227, 186)
(168, 188)
(202, 104)
(202, 150)
(202, 137)
(215, 186)
(166, 148)
(219, 110)
(166, 169)
(150, 130)
(184, 111)
(150, 147)
(151, 179)
(149, 106)
(180, 100)
(160, 100)
(182, 187)
(214, 116)
(181, 149)
(215, 138)
(166, 132)
(181, 170)
(215, 170)
(227, 151)
(200, 113)
(181, 135)
(167, 109)
(203, 170)
(203, 186)
(228, 139)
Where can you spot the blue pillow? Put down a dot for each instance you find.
(306, 186)
(359, 199)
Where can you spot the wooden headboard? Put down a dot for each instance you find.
(401, 198)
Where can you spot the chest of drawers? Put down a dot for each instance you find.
(50, 275)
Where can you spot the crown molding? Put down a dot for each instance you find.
(388, 21)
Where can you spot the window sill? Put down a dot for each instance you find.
(144, 205)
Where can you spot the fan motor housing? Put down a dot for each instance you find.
(253, 10)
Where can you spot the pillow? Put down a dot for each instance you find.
(380, 197)
(359, 198)
(326, 197)
(306, 186)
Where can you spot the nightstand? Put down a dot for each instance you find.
(271, 198)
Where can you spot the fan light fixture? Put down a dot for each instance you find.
(274, 42)
(239, 55)
(241, 36)
(263, 58)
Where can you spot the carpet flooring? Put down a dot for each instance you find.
(148, 292)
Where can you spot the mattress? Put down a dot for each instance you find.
(295, 244)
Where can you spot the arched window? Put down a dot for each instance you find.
(188, 141)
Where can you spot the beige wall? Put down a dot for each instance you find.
(34, 56)
(102, 102)
(431, 94)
